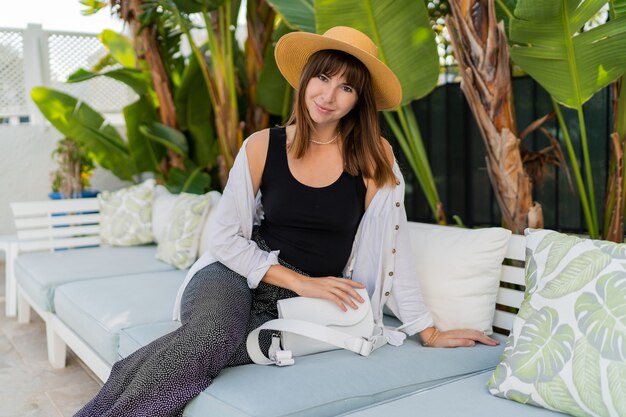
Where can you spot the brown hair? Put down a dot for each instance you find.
(363, 149)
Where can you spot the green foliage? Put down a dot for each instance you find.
(273, 91)
(77, 120)
(92, 6)
(75, 167)
(147, 140)
(120, 48)
(146, 153)
(572, 65)
(297, 14)
(400, 29)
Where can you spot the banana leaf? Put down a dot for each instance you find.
(77, 120)
(402, 32)
(146, 153)
(571, 66)
(194, 181)
(195, 114)
(297, 14)
(273, 91)
(120, 48)
(168, 137)
(504, 12)
(135, 79)
(619, 7)
(195, 6)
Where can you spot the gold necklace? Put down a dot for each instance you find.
(325, 143)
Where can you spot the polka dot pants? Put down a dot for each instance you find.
(218, 311)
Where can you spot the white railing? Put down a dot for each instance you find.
(35, 57)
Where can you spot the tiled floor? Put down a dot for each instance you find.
(29, 386)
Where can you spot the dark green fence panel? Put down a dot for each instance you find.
(457, 155)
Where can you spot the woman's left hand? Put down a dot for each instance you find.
(457, 338)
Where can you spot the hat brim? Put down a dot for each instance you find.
(294, 49)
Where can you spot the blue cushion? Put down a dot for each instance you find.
(40, 273)
(98, 309)
(133, 338)
(467, 397)
(332, 383)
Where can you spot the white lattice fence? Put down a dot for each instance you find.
(12, 87)
(34, 57)
(69, 52)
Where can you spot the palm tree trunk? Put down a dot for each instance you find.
(481, 50)
(260, 29)
(146, 45)
(614, 200)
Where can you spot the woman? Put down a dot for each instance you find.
(333, 220)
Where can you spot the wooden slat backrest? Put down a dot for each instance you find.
(55, 224)
(511, 292)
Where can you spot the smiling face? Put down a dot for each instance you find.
(329, 98)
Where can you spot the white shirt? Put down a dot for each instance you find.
(381, 255)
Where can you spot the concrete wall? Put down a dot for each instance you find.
(25, 167)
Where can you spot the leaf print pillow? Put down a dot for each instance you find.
(126, 215)
(179, 244)
(567, 349)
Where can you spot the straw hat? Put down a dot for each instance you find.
(294, 49)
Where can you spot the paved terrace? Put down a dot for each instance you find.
(29, 386)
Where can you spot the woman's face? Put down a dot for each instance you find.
(328, 99)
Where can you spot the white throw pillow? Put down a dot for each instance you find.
(205, 238)
(161, 208)
(459, 273)
(181, 236)
(126, 215)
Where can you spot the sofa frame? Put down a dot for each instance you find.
(73, 224)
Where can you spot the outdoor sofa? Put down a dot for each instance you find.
(106, 302)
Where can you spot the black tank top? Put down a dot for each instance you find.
(312, 227)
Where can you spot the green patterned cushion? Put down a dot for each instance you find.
(567, 349)
(126, 215)
(179, 244)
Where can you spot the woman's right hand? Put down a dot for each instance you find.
(341, 291)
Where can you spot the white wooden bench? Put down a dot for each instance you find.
(49, 225)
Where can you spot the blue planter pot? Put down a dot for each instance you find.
(56, 195)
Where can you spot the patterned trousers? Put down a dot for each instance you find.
(218, 312)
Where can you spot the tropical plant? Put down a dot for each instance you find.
(547, 41)
(614, 206)
(481, 50)
(74, 168)
(225, 79)
(147, 140)
(186, 125)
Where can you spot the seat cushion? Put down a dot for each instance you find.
(331, 383)
(40, 273)
(132, 338)
(98, 309)
(467, 397)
